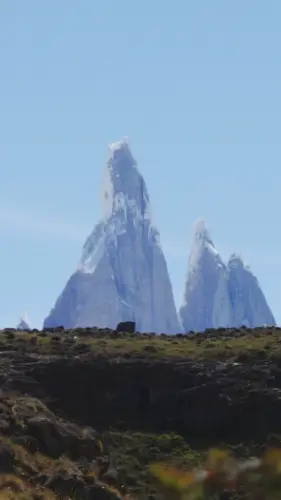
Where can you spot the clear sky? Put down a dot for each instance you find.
(195, 85)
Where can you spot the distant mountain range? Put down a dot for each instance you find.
(122, 274)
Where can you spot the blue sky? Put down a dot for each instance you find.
(196, 87)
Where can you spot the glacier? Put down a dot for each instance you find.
(122, 274)
(218, 294)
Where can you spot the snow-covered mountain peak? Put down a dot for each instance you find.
(123, 187)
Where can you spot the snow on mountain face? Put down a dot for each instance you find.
(206, 303)
(122, 274)
(249, 305)
(217, 295)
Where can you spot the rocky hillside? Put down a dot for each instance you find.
(83, 412)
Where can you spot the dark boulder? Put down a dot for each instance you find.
(126, 326)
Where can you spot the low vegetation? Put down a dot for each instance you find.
(46, 453)
(222, 476)
(212, 344)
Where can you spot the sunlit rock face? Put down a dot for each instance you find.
(206, 302)
(219, 295)
(122, 274)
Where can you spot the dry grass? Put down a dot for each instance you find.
(14, 488)
(225, 344)
(22, 483)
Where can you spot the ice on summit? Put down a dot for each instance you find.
(206, 303)
(219, 295)
(122, 274)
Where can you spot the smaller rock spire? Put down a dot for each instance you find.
(24, 323)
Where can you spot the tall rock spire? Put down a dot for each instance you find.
(218, 295)
(122, 274)
(206, 303)
(248, 303)
(24, 323)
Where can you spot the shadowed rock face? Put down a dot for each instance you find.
(208, 401)
(122, 274)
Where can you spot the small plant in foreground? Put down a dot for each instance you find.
(260, 478)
